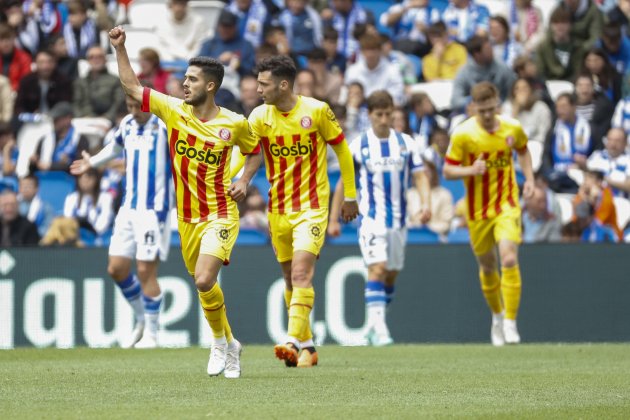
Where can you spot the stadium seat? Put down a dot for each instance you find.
(440, 92)
(536, 151)
(458, 236)
(455, 186)
(566, 207)
(556, 87)
(417, 64)
(378, 7)
(440, 4)
(496, 7)
(251, 237)
(138, 38)
(208, 11)
(622, 207)
(422, 235)
(54, 186)
(146, 13)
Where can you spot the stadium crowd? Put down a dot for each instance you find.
(562, 69)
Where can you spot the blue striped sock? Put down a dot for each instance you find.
(389, 294)
(375, 293)
(130, 288)
(152, 304)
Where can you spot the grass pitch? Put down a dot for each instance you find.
(402, 381)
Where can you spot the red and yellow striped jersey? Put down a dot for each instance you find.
(294, 145)
(200, 156)
(488, 194)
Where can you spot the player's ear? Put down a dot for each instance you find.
(211, 87)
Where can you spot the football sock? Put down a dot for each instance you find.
(131, 290)
(491, 288)
(226, 325)
(212, 304)
(299, 310)
(511, 290)
(375, 301)
(307, 343)
(389, 293)
(152, 312)
(308, 335)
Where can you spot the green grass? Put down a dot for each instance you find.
(403, 381)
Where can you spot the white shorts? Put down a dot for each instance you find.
(380, 244)
(139, 234)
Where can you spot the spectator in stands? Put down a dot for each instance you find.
(616, 45)
(594, 107)
(587, 20)
(343, 15)
(8, 157)
(47, 15)
(15, 63)
(335, 60)
(442, 209)
(528, 26)
(600, 198)
(525, 105)
(482, 67)
(275, 34)
(180, 35)
(374, 72)
(568, 142)
(32, 206)
(621, 14)
(504, 47)
(525, 68)
(621, 117)
(80, 31)
(446, 56)
(99, 93)
(29, 36)
(305, 83)
(151, 71)
(174, 85)
(302, 25)
(64, 232)
(613, 162)
(423, 118)
(90, 206)
(15, 229)
(253, 17)
(328, 83)
(410, 73)
(249, 96)
(254, 211)
(559, 55)
(357, 120)
(7, 98)
(400, 121)
(606, 78)
(408, 22)
(436, 152)
(66, 65)
(542, 217)
(229, 46)
(465, 19)
(59, 148)
(42, 89)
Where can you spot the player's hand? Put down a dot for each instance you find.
(117, 36)
(478, 167)
(424, 215)
(528, 189)
(238, 190)
(79, 166)
(334, 228)
(349, 211)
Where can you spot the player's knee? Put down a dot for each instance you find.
(377, 271)
(204, 281)
(116, 272)
(508, 260)
(301, 276)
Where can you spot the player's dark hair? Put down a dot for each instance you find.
(211, 68)
(379, 99)
(280, 66)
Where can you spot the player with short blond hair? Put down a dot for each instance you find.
(480, 153)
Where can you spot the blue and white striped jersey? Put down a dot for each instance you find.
(147, 165)
(383, 167)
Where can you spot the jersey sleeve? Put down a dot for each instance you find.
(416, 162)
(247, 141)
(520, 139)
(157, 103)
(455, 152)
(355, 150)
(329, 127)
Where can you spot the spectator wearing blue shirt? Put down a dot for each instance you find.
(335, 61)
(32, 206)
(228, 46)
(8, 157)
(616, 45)
(344, 15)
(253, 16)
(465, 18)
(302, 25)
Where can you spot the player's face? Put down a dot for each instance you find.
(486, 113)
(381, 119)
(195, 86)
(134, 109)
(268, 88)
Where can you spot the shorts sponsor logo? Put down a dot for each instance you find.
(206, 156)
(225, 134)
(306, 122)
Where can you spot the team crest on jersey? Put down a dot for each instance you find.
(223, 235)
(225, 134)
(315, 231)
(306, 122)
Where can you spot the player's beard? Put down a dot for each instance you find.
(197, 100)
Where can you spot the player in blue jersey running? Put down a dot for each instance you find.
(141, 229)
(384, 160)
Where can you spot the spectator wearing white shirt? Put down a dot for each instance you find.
(89, 205)
(181, 33)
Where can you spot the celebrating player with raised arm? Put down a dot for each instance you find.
(480, 153)
(294, 131)
(142, 230)
(201, 137)
(386, 161)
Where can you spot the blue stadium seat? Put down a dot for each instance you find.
(378, 7)
(348, 236)
(54, 186)
(459, 236)
(417, 64)
(260, 181)
(422, 235)
(251, 237)
(439, 4)
(455, 186)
